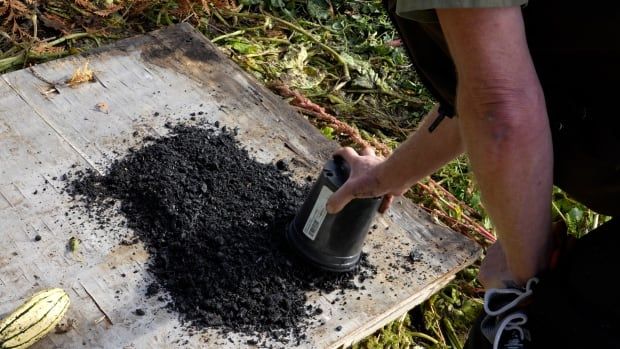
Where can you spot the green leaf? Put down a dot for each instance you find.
(362, 81)
(367, 78)
(277, 4)
(576, 214)
(318, 9)
(382, 50)
(471, 309)
(242, 47)
(328, 132)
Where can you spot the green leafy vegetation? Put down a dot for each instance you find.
(579, 219)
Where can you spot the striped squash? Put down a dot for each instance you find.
(33, 319)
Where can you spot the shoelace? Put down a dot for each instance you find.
(519, 295)
(512, 322)
(499, 301)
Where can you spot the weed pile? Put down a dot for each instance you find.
(213, 220)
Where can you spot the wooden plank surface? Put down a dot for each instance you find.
(172, 72)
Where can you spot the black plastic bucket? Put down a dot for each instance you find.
(332, 242)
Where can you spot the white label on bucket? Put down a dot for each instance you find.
(318, 213)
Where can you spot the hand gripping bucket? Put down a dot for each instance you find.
(331, 242)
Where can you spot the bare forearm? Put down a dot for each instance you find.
(419, 156)
(505, 130)
(424, 152)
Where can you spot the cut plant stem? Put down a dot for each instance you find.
(437, 327)
(559, 212)
(415, 101)
(424, 336)
(265, 53)
(453, 223)
(220, 18)
(70, 37)
(455, 343)
(595, 221)
(485, 233)
(235, 33)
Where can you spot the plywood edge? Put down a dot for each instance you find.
(401, 308)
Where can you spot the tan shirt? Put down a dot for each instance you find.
(423, 10)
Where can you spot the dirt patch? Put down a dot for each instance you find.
(213, 220)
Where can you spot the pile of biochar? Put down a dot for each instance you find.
(213, 220)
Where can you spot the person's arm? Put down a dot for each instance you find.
(419, 156)
(505, 130)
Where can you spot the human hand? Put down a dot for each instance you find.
(366, 180)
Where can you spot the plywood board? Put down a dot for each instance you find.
(46, 128)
